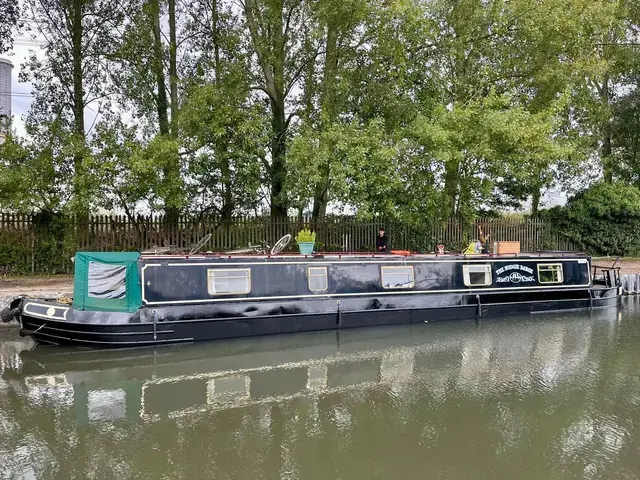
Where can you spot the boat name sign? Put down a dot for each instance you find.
(513, 274)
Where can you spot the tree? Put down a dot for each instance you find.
(495, 146)
(604, 219)
(626, 137)
(139, 80)
(610, 36)
(9, 13)
(364, 170)
(69, 79)
(129, 174)
(223, 125)
(225, 136)
(277, 30)
(338, 24)
(602, 55)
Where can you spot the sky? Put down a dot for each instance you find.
(22, 93)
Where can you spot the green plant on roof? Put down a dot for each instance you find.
(306, 236)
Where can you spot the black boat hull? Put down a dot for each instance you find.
(158, 326)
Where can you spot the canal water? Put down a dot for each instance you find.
(553, 396)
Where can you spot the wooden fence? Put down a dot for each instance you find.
(31, 244)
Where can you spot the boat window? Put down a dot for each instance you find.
(317, 279)
(550, 273)
(398, 277)
(229, 281)
(476, 275)
(107, 281)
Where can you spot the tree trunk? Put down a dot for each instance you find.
(607, 153)
(215, 33)
(535, 201)
(607, 150)
(451, 183)
(227, 192)
(172, 170)
(173, 68)
(269, 43)
(78, 106)
(161, 100)
(327, 105)
(320, 199)
(278, 158)
(228, 205)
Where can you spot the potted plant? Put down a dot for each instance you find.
(305, 240)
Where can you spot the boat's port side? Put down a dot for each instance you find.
(121, 300)
(175, 324)
(186, 282)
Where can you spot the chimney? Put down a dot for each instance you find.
(5, 97)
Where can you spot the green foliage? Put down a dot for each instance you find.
(9, 12)
(359, 164)
(626, 137)
(403, 110)
(28, 178)
(225, 136)
(46, 248)
(604, 219)
(305, 235)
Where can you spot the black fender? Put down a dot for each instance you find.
(12, 312)
(5, 315)
(16, 303)
(23, 332)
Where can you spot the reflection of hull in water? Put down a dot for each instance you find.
(176, 381)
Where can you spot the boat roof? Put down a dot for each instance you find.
(338, 256)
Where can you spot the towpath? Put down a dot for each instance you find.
(36, 286)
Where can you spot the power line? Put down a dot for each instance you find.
(19, 43)
(16, 94)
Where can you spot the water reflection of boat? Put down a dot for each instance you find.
(175, 381)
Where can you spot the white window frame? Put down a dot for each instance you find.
(385, 269)
(560, 271)
(210, 280)
(315, 272)
(477, 268)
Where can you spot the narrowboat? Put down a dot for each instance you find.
(131, 299)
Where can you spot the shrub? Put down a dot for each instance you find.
(604, 219)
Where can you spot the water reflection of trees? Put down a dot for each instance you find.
(545, 396)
